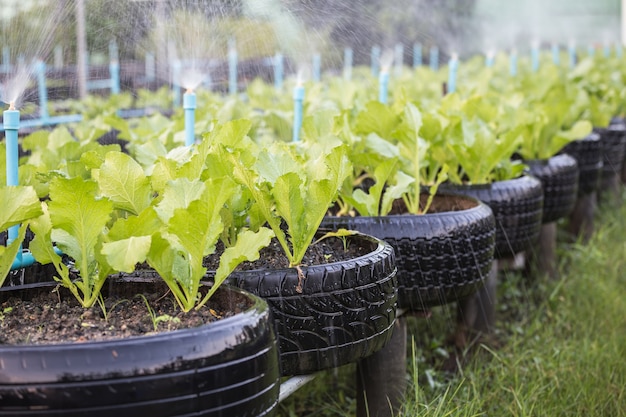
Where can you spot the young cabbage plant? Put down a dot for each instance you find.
(75, 219)
(399, 163)
(21, 205)
(290, 188)
(190, 213)
(482, 134)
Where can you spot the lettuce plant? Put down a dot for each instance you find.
(289, 187)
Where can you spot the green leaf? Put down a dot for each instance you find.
(19, 204)
(123, 181)
(79, 218)
(178, 193)
(123, 255)
(246, 249)
(9, 252)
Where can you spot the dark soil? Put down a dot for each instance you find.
(52, 315)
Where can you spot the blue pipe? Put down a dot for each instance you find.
(26, 258)
(279, 71)
(399, 58)
(317, 67)
(298, 98)
(535, 58)
(375, 60)
(555, 54)
(572, 56)
(434, 58)
(114, 70)
(453, 67)
(347, 63)
(232, 71)
(417, 55)
(489, 60)
(189, 105)
(383, 87)
(43, 91)
(11, 123)
(513, 64)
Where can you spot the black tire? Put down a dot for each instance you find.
(588, 155)
(517, 206)
(559, 178)
(613, 140)
(345, 312)
(225, 368)
(441, 257)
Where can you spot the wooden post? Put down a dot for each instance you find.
(610, 187)
(381, 377)
(581, 218)
(477, 313)
(542, 260)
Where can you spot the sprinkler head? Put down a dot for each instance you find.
(11, 105)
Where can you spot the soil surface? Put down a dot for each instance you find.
(52, 315)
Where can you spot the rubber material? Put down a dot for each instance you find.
(613, 140)
(225, 368)
(517, 206)
(441, 257)
(345, 312)
(559, 178)
(588, 154)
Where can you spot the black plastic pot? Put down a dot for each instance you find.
(559, 178)
(225, 368)
(588, 155)
(442, 257)
(517, 205)
(344, 312)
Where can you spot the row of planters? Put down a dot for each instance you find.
(178, 222)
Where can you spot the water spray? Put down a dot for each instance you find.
(176, 70)
(417, 55)
(43, 92)
(298, 98)
(347, 63)
(453, 66)
(189, 105)
(434, 58)
(6, 59)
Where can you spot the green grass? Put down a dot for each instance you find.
(560, 347)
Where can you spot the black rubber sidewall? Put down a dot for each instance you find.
(345, 312)
(588, 155)
(559, 178)
(441, 257)
(517, 205)
(228, 367)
